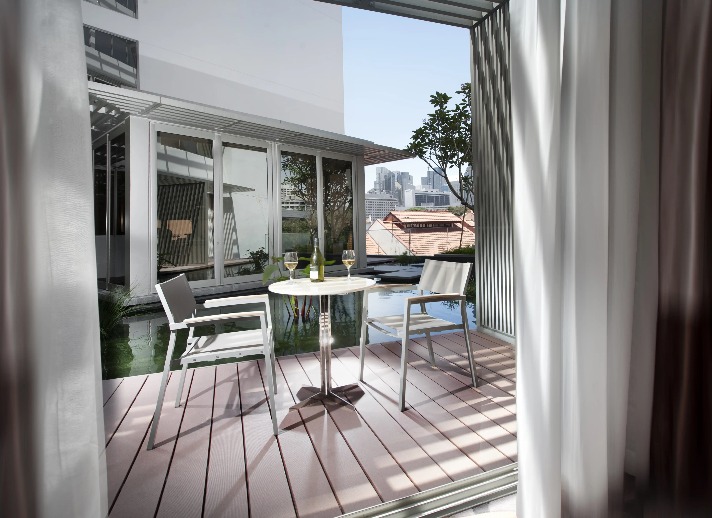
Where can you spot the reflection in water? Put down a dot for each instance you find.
(139, 346)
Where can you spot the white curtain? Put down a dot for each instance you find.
(50, 412)
(581, 86)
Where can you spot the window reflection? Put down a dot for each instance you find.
(185, 207)
(338, 208)
(245, 210)
(299, 202)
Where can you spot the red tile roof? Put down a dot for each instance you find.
(426, 241)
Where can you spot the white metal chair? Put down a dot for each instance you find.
(447, 282)
(181, 309)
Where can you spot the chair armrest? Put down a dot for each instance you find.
(438, 297)
(234, 301)
(212, 319)
(392, 287)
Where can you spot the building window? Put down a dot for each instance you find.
(111, 59)
(127, 7)
(299, 202)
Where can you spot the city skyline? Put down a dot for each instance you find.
(392, 65)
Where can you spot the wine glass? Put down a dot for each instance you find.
(290, 261)
(348, 257)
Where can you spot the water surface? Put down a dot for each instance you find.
(139, 346)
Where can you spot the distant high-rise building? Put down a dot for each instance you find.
(379, 205)
(394, 183)
(429, 198)
(385, 180)
(437, 181)
(433, 180)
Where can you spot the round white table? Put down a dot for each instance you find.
(324, 290)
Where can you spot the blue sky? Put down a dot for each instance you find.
(391, 67)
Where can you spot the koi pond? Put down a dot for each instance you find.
(139, 345)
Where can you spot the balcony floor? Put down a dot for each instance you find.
(216, 455)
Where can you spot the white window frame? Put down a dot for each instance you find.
(269, 148)
(187, 131)
(355, 185)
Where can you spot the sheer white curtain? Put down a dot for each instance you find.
(51, 420)
(580, 91)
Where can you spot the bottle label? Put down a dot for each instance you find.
(314, 274)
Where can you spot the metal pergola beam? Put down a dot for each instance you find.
(459, 13)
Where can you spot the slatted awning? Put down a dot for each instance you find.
(110, 105)
(460, 13)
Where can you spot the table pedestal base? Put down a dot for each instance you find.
(314, 395)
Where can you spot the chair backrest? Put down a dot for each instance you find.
(177, 299)
(444, 276)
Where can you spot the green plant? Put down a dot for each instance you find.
(113, 308)
(271, 269)
(260, 258)
(407, 258)
(444, 142)
(464, 250)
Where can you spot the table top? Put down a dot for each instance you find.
(330, 286)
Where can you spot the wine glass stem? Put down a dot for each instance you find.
(349, 270)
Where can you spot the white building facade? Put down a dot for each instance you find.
(259, 57)
(215, 152)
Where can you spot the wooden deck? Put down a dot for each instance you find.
(216, 455)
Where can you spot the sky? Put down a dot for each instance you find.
(392, 65)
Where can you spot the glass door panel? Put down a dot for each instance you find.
(100, 208)
(299, 203)
(117, 211)
(338, 208)
(185, 208)
(245, 210)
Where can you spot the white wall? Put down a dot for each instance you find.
(276, 58)
(141, 257)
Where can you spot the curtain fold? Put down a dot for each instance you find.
(51, 419)
(681, 449)
(580, 90)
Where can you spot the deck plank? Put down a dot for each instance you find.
(422, 471)
(118, 405)
(459, 359)
(140, 493)
(495, 386)
(386, 474)
(313, 494)
(123, 448)
(227, 462)
(347, 477)
(424, 396)
(455, 353)
(185, 484)
(432, 440)
(226, 493)
(457, 381)
(493, 343)
(269, 491)
(447, 393)
(503, 365)
(109, 386)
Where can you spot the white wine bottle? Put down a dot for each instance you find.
(316, 270)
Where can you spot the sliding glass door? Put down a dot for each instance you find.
(110, 217)
(338, 207)
(224, 206)
(298, 193)
(185, 208)
(246, 210)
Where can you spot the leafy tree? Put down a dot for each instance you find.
(444, 142)
(338, 197)
(457, 210)
(301, 177)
